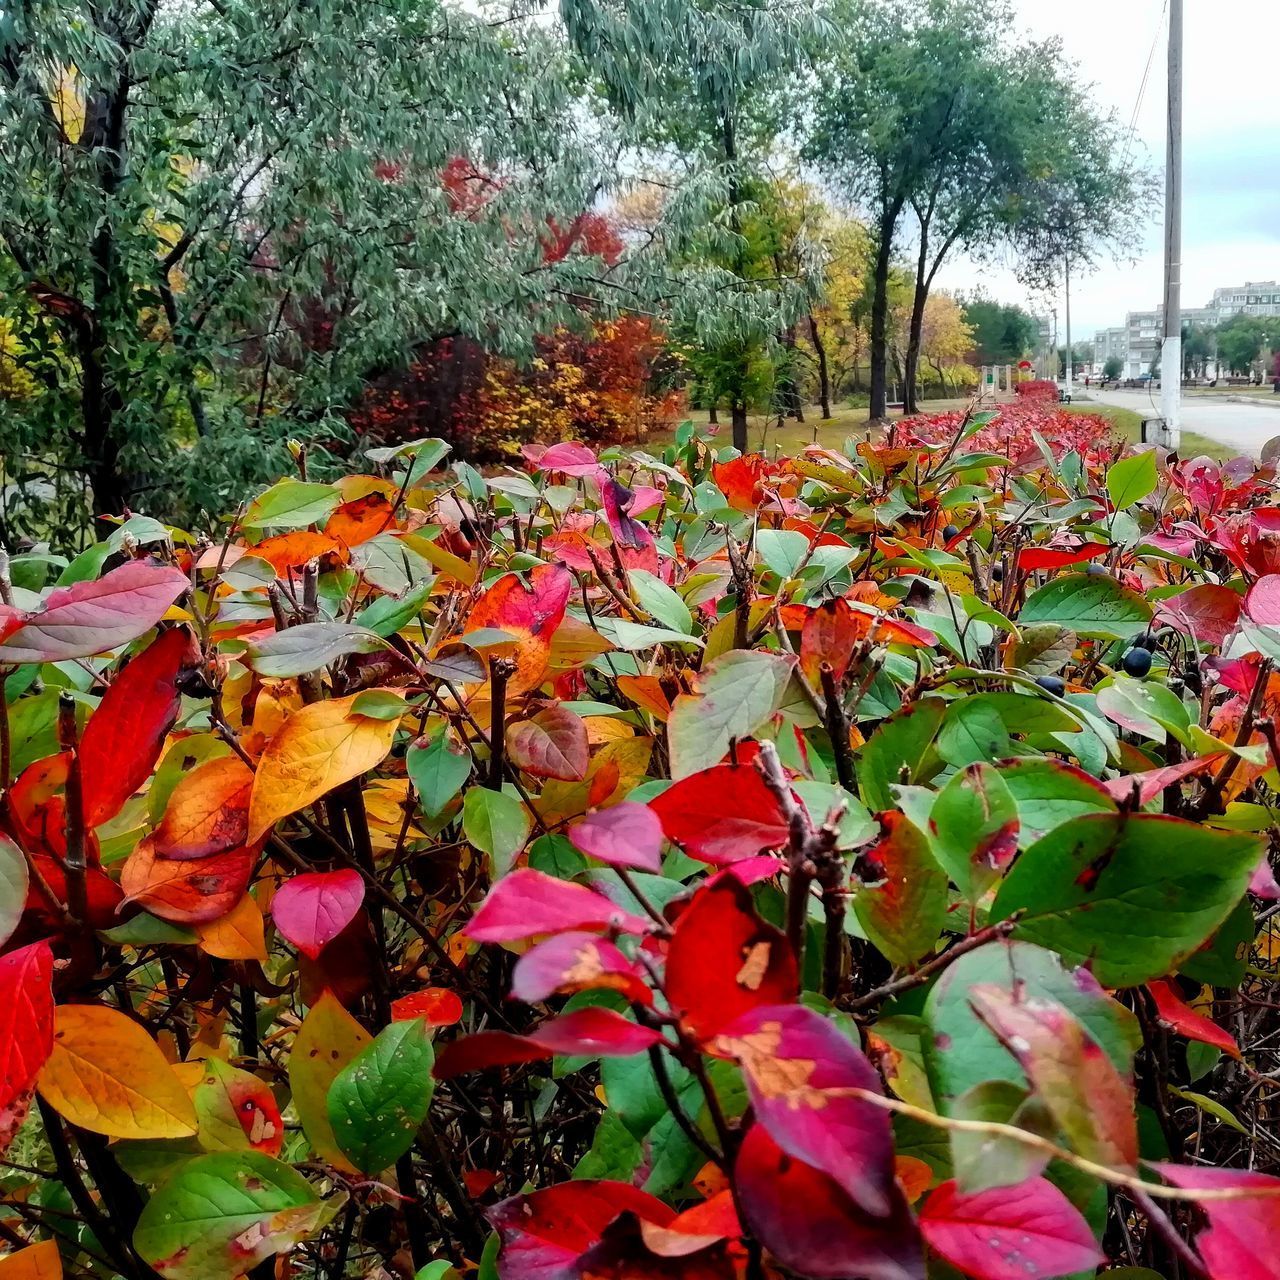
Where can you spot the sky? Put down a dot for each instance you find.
(1231, 148)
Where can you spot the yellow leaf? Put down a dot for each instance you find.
(68, 102)
(36, 1262)
(316, 749)
(107, 1075)
(445, 561)
(239, 935)
(328, 1039)
(615, 769)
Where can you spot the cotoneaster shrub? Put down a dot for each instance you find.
(627, 866)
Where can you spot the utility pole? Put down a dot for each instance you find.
(1070, 362)
(1171, 348)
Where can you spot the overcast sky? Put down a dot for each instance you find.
(1231, 171)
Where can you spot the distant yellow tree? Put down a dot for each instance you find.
(836, 337)
(945, 338)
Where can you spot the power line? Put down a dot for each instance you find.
(1146, 76)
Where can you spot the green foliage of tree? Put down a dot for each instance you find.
(932, 108)
(1240, 340)
(215, 221)
(1113, 367)
(1002, 333)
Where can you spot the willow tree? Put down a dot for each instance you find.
(704, 90)
(217, 218)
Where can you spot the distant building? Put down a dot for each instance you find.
(1254, 298)
(1109, 344)
(1143, 331)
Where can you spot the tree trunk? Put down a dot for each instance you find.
(824, 373)
(790, 403)
(738, 410)
(916, 330)
(712, 416)
(880, 309)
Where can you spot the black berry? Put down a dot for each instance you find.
(1136, 662)
(997, 573)
(951, 531)
(1147, 642)
(1052, 684)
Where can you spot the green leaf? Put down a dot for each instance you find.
(661, 601)
(972, 731)
(902, 904)
(962, 1052)
(497, 824)
(1049, 793)
(905, 741)
(13, 888)
(737, 693)
(782, 550)
(1145, 707)
(1132, 479)
(292, 504)
(438, 1271)
(389, 614)
(308, 647)
(378, 1102)
(1094, 606)
(221, 1214)
(437, 771)
(974, 828)
(1131, 896)
(379, 704)
(983, 1160)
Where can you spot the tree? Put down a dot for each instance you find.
(945, 338)
(1113, 367)
(709, 81)
(931, 108)
(1197, 349)
(836, 325)
(1240, 341)
(189, 194)
(1002, 333)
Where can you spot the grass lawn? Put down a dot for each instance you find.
(1128, 424)
(790, 439)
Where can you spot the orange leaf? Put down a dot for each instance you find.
(292, 550)
(36, 1262)
(531, 612)
(208, 811)
(239, 935)
(364, 518)
(188, 890)
(107, 1075)
(318, 748)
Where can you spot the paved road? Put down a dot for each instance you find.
(1246, 427)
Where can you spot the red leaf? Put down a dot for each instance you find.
(739, 480)
(1261, 605)
(1208, 612)
(800, 1070)
(808, 1223)
(1153, 781)
(721, 814)
(830, 632)
(545, 1232)
(592, 1031)
(438, 1006)
(527, 903)
(310, 910)
(626, 834)
(570, 458)
(724, 960)
(1028, 1232)
(125, 735)
(1057, 557)
(576, 961)
(553, 744)
(93, 617)
(1176, 1014)
(530, 611)
(26, 1030)
(1239, 1242)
